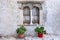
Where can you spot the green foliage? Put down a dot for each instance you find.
(21, 30)
(40, 30)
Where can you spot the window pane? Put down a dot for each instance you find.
(35, 13)
(26, 14)
(27, 19)
(26, 11)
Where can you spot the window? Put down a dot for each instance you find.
(31, 12)
(35, 14)
(26, 15)
(31, 17)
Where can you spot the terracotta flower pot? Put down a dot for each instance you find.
(21, 35)
(40, 35)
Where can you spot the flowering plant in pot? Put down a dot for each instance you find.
(20, 31)
(40, 31)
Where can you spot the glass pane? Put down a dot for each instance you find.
(26, 11)
(26, 14)
(35, 13)
(26, 17)
(35, 18)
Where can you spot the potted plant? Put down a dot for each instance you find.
(40, 31)
(20, 31)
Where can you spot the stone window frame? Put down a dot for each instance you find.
(31, 4)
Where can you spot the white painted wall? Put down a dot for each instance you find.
(10, 16)
(53, 16)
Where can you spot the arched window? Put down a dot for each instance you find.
(35, 15)
(26, 15)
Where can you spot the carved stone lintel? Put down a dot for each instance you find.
(30, 4)
(33, 2)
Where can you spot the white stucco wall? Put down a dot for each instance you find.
(53, 16)
(10, 16)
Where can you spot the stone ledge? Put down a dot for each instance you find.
(46, 37)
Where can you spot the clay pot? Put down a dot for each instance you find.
(21, 35)
(40, 35)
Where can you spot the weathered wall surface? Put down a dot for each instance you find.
(8, 16)
(53, 16)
